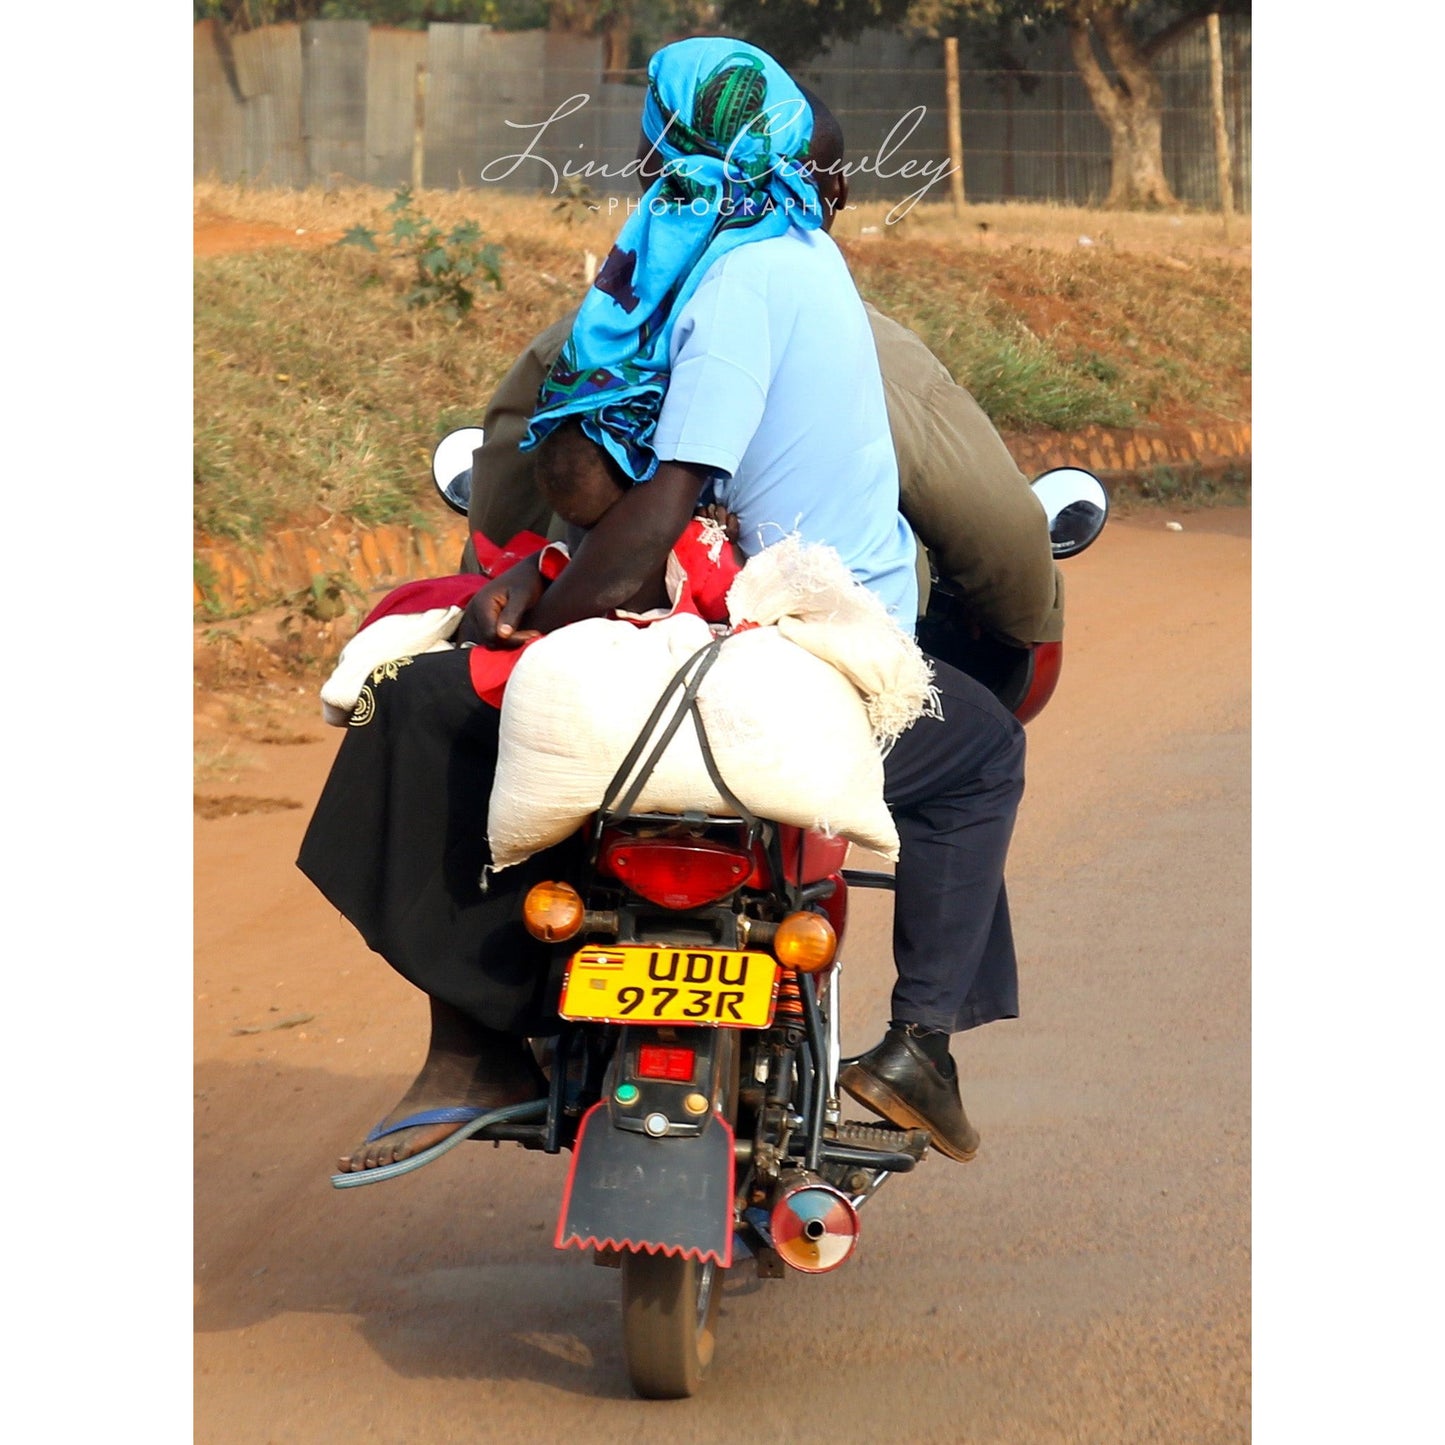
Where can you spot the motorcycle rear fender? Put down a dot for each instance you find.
(670, 1193)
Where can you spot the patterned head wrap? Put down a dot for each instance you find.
(732, 131)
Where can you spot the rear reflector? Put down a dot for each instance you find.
(676, 872)
(654, 1062)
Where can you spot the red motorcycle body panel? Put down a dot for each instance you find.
(809, 857)
(1048, 663)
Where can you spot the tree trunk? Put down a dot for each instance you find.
(616, 39)
(1130, 105)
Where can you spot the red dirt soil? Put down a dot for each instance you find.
(1087, 1275)
(220, 236)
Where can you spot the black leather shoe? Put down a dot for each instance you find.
(899, 1081)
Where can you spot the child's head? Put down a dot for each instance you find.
(576, 476)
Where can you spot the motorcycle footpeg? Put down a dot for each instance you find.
(886, 1138)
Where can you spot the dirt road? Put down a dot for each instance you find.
(1085, 1279)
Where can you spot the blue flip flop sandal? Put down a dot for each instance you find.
(454, 1114)
(472, 1120)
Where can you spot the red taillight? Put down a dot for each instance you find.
(654, 1062)
(676, 872)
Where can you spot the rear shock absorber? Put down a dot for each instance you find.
(790, 1020)
(790, 1017)
(789, 1013)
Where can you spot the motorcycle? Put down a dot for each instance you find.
(698, 985)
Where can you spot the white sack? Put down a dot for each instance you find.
(792, 739)
(808, 592)
(789, 733)
(393, 636)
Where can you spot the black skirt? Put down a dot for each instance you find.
(398, 844)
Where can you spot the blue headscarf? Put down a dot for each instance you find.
(732, 131)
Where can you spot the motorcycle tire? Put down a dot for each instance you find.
(670, 1305)
(669, 1323)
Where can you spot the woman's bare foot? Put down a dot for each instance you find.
(465, 1065)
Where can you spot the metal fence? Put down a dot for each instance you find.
(335, 102)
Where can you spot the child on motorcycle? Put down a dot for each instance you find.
(580, 483)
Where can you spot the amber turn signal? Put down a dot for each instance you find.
(805, 941)
(552, 912)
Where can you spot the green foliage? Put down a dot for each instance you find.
(792, 31)
(445, 264)
(350, 432)
(403, 14)
(308, 614)
(1090, 363)
(1019, 382)
(204, 577)
(328, 597)
(996, 32)
(1188, 485)
(576, 199)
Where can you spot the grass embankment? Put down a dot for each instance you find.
(317, 393)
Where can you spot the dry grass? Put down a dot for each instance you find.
(317, 393)
(979, 228)
(1016, 223)
(1046, 338)
(220, 762)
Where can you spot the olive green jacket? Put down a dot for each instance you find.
(969, 505)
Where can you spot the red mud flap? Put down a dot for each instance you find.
(672, 1195)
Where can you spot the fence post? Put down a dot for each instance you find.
(955, 122)
(418, 130)
(1221, 129)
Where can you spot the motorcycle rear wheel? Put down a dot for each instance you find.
(669, 1323)
(670, 1305)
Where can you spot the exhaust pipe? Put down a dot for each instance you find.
(814, 1226)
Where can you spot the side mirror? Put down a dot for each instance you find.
(1077, 507)
(451, 466)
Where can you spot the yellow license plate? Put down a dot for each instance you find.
(640, 983)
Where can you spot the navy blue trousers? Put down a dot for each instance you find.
(953, 785)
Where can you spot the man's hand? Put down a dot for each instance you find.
(493, 617)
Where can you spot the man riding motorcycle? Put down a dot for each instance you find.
(756, 378)
(974, 514)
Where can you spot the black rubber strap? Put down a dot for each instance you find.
(724, 792)
(703, 658)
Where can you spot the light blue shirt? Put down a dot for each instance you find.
(775, 384)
